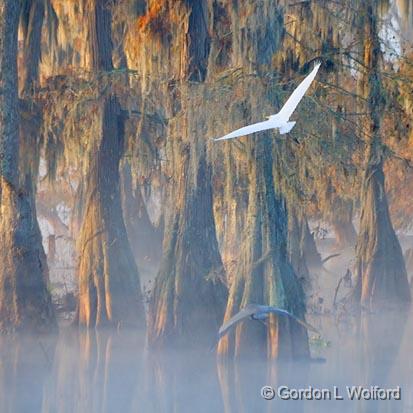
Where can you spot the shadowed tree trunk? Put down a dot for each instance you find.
(31, 17)
(265, 274)
(188, 299)
(342, 223)
(408, 259)
(380, 269)
(297, 246)
(109, 286)
(302, 248)
(145, 238)
(25, 302)
(345, 233)
(198, 41)
(311, 254)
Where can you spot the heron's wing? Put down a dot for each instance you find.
(246, 130)
(244, 313)
(292, 102)
(280, 311)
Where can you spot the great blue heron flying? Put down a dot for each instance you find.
(260, 313)
(281, 119)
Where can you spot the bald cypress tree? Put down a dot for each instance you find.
(109, 286)
(188, 299)
(265, 274)
(25, 302)
(380, 268)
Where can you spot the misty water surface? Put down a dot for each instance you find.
(110, 371)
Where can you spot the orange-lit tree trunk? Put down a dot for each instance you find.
(32, 17)
(25, 302)
(109, 286)
(265, 274)
(380, 269)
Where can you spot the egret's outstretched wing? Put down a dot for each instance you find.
(242, 315)
(280, 311)
(246, 130)
(292, 102)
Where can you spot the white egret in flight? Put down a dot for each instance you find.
(281, 119)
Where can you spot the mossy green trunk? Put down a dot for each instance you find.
(265, 274)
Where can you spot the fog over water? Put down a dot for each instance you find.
(109, 371)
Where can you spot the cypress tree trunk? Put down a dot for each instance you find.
(32, 27)
(25, 302)
(145, 238)
(297, 245)
(309, 247)
(408, 259)
(302, 249)
(345, 233)
(265, 274)
(342, 223)
(380, 269)
(109, 286)
(188, 299)
(31, 114)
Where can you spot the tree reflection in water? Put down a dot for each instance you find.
(109, 371)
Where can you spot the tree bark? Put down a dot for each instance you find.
(189, 296)
(188, 299)
(109, 286)
(380, 269)
(297, 245)
(198, 41)
(345, 233)
(309, 247)
(408, 259)
(25, 302)
(32, 27)
(342, 223)
(265, 274)
(145, 238)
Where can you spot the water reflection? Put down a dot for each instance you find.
(94, 371)
(105, 372)
(26, 362)
(381, 335)
(182, 382)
